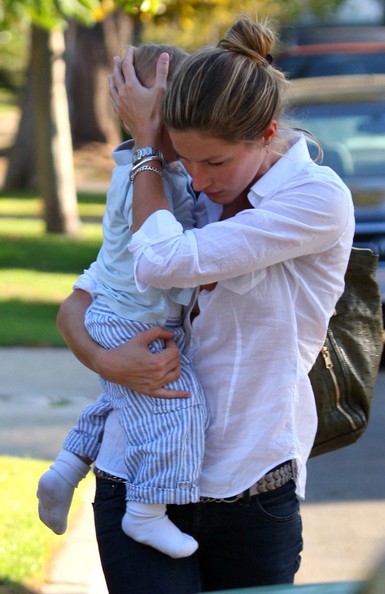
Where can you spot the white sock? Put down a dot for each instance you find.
(148, 523)
(56, 488)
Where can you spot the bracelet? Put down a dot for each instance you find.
(148, 160)
(147, 151)
(145, 168)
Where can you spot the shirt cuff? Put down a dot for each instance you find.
(160, 226)
(88, 280)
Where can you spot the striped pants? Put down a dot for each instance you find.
(165, 437)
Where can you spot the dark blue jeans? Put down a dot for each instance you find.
(248, 543)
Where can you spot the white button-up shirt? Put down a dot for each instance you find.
(279, 268)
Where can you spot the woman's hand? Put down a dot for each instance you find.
(132, 364)
(138, 107)
(136, 367)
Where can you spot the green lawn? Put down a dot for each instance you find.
(26, 545)
(37, 269)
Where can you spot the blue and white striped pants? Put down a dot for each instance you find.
(165, 437)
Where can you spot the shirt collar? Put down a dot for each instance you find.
(281, 172)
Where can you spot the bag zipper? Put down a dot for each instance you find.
(329, 365)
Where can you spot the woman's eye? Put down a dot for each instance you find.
(217, 164)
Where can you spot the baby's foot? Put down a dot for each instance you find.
(55, 498)
(148, 523)
(56, 489)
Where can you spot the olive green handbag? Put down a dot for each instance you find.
(346, 369)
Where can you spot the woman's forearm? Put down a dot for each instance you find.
(139, 108)
(70, 322)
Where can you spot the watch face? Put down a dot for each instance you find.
(147, 151)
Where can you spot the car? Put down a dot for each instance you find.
(347, 115)
(332, 51)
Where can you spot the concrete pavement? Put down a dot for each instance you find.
(43, 390)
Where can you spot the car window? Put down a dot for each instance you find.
(352, 136)
(332, 64)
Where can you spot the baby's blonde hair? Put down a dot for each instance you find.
(146, 57)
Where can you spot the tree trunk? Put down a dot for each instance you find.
(89, 59)
(21, 170)
(53, 137)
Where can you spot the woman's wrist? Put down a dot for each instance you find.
(101, 361)
(147, 136)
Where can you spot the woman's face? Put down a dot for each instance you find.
(223, 170)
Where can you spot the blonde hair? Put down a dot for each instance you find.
(231, 90)
(146, 57)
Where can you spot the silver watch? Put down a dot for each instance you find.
(147, 151)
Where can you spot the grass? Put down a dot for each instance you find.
(26, 545)
(37, 269)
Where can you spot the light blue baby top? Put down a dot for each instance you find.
(116, 285)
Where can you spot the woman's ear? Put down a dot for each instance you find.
(270, 131)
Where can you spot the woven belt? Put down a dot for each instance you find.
(110, 477)
(274, 479)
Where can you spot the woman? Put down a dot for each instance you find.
(274, 237)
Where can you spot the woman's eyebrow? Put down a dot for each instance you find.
(205, 160)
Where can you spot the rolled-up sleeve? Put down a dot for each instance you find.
(154, 247)
(88, 280)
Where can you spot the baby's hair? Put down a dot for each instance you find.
(146, 57)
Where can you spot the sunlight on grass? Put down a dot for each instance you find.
(26, 227)
(34, 227)
(26, 545)
(22, 207)
(25, 207)
(32, 285)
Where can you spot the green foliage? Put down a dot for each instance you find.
(210, 15)
(200, 22)
(13, 53)
(49, 14)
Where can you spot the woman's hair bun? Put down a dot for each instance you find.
(251, 39)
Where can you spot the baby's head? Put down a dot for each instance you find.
(145, 61)
(146, 57)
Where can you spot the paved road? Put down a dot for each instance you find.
(41, 393)
(43, 390)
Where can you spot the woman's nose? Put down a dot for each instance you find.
(200, 180)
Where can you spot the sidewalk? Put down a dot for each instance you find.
(76, 568)
(344, 515)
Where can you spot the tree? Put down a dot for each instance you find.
(46, 119)
(52, 132)
(89, 59)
